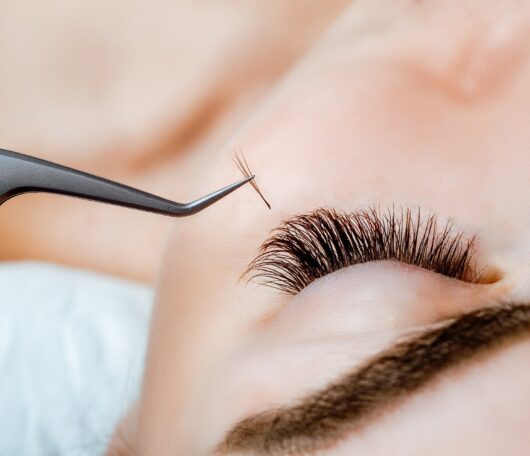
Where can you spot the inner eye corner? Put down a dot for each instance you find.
(489, 275)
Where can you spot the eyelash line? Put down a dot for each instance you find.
(241, 162)
(309, 246)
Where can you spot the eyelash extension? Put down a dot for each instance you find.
(241, 163)
(313, 245)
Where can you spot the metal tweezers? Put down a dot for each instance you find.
(21, 173)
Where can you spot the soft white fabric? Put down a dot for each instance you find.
(72, 346)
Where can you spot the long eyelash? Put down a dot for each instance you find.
(241, 163)
(313, 245)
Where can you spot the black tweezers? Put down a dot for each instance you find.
(21, 173)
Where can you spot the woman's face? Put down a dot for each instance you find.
(402, 105)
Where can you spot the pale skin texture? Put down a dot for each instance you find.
(140, 94)
(420, 105)
(417, 104)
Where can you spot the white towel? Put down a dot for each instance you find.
(72, 346)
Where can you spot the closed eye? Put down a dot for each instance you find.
(309, 246)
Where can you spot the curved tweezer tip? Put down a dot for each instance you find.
(205, 201)
(21, 174)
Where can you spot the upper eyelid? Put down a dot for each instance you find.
(330, 414)
(312, 245)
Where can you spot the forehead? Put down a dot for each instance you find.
(468, 405)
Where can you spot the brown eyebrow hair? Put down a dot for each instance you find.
(321, 419)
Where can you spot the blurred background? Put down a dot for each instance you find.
(141, 92)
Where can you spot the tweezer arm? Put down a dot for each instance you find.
(21, 173)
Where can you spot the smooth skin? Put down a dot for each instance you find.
(420, 104)
(142, 95)
(406, 103)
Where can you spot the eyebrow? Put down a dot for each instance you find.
(321, 419)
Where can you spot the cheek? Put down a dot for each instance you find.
(373, 144)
